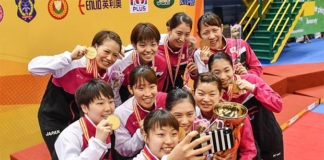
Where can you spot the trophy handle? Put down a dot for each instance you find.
(237, 139)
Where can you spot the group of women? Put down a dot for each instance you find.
(154, 75)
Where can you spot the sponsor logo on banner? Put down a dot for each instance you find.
(187, 2)
(26, 10)
(58, 9)
(1, 13)
(92, 5)
(163, 3)
(310, 21)
(138, 6)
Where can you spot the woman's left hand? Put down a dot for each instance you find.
(240, 69)
(244, 85)
(192, 67)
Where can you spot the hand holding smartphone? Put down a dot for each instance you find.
(221, 140)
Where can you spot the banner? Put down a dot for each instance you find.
(311, 24)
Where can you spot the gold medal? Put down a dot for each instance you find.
(92, 53)
(204, 43)
(235, 88)
(114, 121)
(181, 134)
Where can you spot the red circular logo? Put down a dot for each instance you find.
(58, 9)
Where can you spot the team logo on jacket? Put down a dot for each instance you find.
(95, 5)
(58, 9)
(1, 13)
(187, 2)
(138, 6)
(163, 3)
(26, 10)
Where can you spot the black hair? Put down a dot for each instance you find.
(93, 89)
(176, 96)
(140, 73)
(145, 31)
(179, 18)
(159, 118)
(217, 56)
(208, 77)
(101, 36)
(209, 18)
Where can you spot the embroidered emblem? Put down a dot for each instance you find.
(26, 10)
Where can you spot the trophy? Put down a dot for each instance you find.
(233, 115)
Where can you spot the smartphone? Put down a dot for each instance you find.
(221, 140)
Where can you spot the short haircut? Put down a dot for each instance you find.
(179, 18)
(159, 118)
(145, 31)
(92, 90)
(101, 36)
(141, 73)
(210, 19)
(176, 96)
(208, 77)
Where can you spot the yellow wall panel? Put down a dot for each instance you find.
(44, 35)
(21, 41)
(309, 8)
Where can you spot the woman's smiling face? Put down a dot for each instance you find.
(224, 70)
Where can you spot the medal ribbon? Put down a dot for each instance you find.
(135, 55)
(167, 57)
(84, 128)
(137, 115)
(191, 51)
(230, 87)
(92, 67)
(148, 155)
(186, 76)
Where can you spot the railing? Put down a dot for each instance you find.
(247, 12)
(283, 15)
(287, 20)
(275, 17)
(255, 11)
(272, 28)
(283, 27)
(292, 11)
(266, 6)
(252, 29)
(257, 21)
